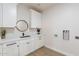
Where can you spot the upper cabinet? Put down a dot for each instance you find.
(35, 19)
(23, 13)
(8, 14)
(0, 15)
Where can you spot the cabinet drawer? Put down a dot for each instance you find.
(10, 48)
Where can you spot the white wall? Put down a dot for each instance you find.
(58, 18)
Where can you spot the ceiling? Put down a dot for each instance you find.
(39, 6)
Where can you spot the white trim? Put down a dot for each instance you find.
(65, 53)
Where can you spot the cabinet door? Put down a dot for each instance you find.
(23, 13)
(25, 47)
(0, 15)
(41, 42)
(9, 14)
(0, 50)
(35, 19)
(10, 49)
(38, 42)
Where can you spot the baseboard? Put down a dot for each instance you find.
(62, 52)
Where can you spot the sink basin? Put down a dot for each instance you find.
(25, 36)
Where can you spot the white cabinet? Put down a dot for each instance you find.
(22, 47)
(25, 47)
(35, 19)
(41, 42)
(29, 45)
(0, 50)
(10, 49)
(23, 13)
(38, 42)
(0, 15)
(9, 14)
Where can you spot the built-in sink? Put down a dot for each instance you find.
(25, 36)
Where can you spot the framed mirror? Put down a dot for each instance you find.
(22, 26)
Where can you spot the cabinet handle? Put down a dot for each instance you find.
(28, 43)
(11, 44)
(17, 45)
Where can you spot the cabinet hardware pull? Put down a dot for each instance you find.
(28, 43)
(11, 44)
(17, 45)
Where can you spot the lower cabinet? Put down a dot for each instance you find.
(0, 50)
(38, 42)
(20, 48)
(10, 49)
(28, 46)
(25, 47)
(41, 42)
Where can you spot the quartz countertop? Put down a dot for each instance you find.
(17, 39)
(13, 39)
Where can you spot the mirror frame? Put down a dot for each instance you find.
(18, 28)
